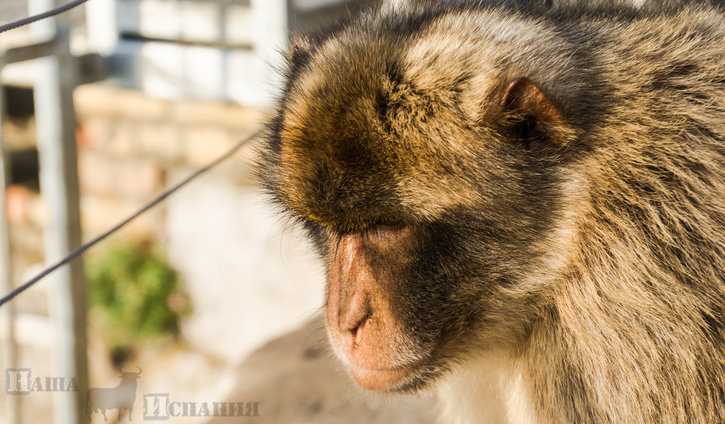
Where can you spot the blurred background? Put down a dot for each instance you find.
(206, 308)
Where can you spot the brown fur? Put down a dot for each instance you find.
(558, 178)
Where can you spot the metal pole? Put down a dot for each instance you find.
(59, 187)
(7, 313)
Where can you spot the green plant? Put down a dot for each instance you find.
(134, 296)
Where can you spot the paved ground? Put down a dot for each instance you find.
(295, 379)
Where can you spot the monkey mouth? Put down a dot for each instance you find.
(387, 379)
(361, 361)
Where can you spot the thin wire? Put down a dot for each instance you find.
(30, 19)
(79, 251)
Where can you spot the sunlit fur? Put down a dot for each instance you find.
(572, 275)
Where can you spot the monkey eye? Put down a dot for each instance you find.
(390, 232)
(386, 233)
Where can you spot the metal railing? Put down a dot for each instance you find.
(58, 75)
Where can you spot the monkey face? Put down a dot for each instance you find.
(426, 192)
(389, 302)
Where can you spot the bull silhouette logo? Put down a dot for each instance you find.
(120, 397)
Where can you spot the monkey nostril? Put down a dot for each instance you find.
(356, 312)
(353, 324)
(357, 330)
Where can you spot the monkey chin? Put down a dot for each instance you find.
(388, 380)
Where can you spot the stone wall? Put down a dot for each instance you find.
(129, 145)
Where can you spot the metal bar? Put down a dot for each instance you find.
(211, 44)
(59, 188)
(7, 314)
(33, 51)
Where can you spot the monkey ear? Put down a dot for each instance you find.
(522, 95)
(299, 49)
(525, 109)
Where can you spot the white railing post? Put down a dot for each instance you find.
(59, 189)
(7, 312)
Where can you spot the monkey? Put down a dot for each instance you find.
(522, 206)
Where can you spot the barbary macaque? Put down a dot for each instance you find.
(521, 205)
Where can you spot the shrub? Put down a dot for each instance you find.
(135, 296)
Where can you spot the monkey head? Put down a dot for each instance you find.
(428, 176)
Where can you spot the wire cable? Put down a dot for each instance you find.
(79, 251)
(30, 19)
